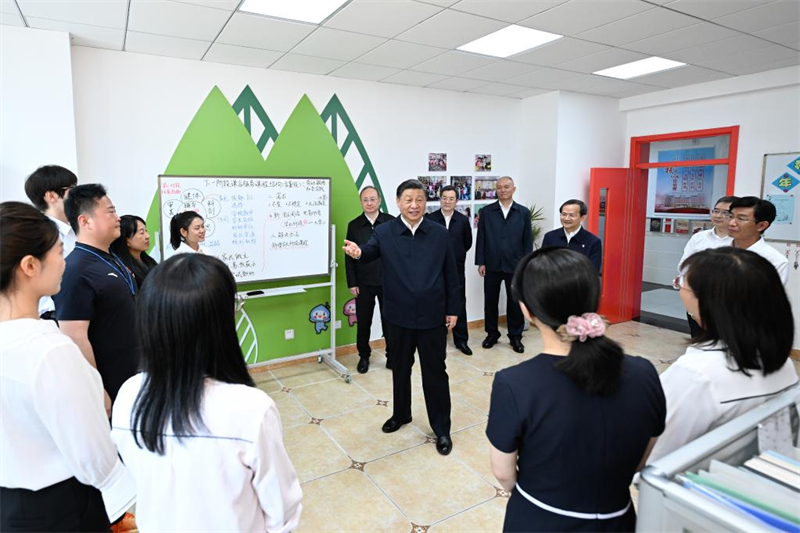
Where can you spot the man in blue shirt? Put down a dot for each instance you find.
(573, 236)
(421, 297)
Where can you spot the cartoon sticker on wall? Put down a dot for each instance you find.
(349, 311)
(320, 316)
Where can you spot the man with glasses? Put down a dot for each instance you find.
(715, 237)
(573, 235)
(751, 218)
(365, 279)
(47, 188)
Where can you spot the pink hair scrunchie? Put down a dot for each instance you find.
(585, 326)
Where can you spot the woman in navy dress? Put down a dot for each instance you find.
(570, 427)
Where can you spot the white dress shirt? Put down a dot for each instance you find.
(571, 234)
(232, 475)
(409, 226)
(54, 424)
(505, 209)
(703, 392)
(69, 239)
(703, 240)
(186, 249)
(372, 219)
(447, 219)
(772, 255)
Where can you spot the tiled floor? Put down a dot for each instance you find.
(663, 302)
(356, 478)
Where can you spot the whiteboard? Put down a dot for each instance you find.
(780, 184)
(263, 228)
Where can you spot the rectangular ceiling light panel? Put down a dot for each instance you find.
(509, 41)
(640, 68)
(314, 11)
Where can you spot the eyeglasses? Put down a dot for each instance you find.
(723, 212)
(238, 303)
(680, 283)
(569, 215)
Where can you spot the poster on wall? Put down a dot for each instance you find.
(478, 208)
(780, 181)
(437, 162)
(685, 190)
(465, 210)
(463, 185)
(486, 188)
(430, 208)
(784, 208)
(433, 187)
(483, 162)
(655, 225)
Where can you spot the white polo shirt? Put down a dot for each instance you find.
(772, 255)
(703, 240)
(69, 239)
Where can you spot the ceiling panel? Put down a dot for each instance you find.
(695, 35)
(11, 19)
(361, 71)
(546, 78)
(337, 44)
(384, 18)
(500, 71)
(601, 60)
(398, 54)
(640, 26)
(704, 54)
(450, 29)
(762, 17)
(527, 93)
(786, 34)
(442, 3)
(559, 51)
(261, 32)
(497, 89)
(577, 16)
(409, 77)
(8, 6)
(644, 89)
(711, 9)
(753, 57)
(240, 55)
(307, 64)
(453, 63)
(764, 66)
(109, 14)
(83, 34)
(506, 10)
(227, 5)
(161, 45)
(677, 77)
(176, 20)
(458, 84)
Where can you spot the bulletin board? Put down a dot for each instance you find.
(780, 184)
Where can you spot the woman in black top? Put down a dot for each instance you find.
(570, 427)
(132, 246)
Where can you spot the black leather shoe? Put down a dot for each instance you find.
(490, 341)
(363, 365)
(517, 345)
(444, 445)
(392, 425)
(464, 348)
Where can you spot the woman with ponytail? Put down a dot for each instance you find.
(570, 427)
(187, 231)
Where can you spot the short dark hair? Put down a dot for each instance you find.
(726, 200)
(448, 188)
(554, 284)
(763, 210)
(179, 222)
(81, 200)
(186, 323)
(23, 231)
(46, 179)
(743, 306)
(580, 204)
(413, 184)
(367, 188)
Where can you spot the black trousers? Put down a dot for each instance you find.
(491, 300)
(65, 506)
(460, 333)
(695, 330)
(365, 310)
(431, 345)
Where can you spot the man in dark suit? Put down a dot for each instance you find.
(460, 233)
(420, 281)
(504, 237)
(364, 279)
(573, 236)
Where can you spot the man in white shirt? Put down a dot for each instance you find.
(47, 188)
(751, 218)
(715, 237)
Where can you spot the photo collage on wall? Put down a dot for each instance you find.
(474, 192)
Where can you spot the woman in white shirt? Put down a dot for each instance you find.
(187, 231)
(741, 359)
(55, 447)
(205, 445)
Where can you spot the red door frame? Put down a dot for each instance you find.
(632, 245)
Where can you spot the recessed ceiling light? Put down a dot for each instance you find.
(640, 68)
(314, 11)
(509, 41)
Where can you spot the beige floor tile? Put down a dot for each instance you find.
(348, 501)
(460, 369)
(304, 374)
(487, 517)
(472, 448)
(649, 341)
(476, 392)
(661, 367)
(331, 398)
(378, 382)
(313, 453)
(266, 381)
(359, 434)
(428, 487)
(292, 413)
(498, 358)
(462, 415)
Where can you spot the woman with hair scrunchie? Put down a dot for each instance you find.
(570, 427)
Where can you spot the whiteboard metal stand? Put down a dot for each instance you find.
(328, 355)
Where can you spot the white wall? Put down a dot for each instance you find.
(662, 253)
(38, 122)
